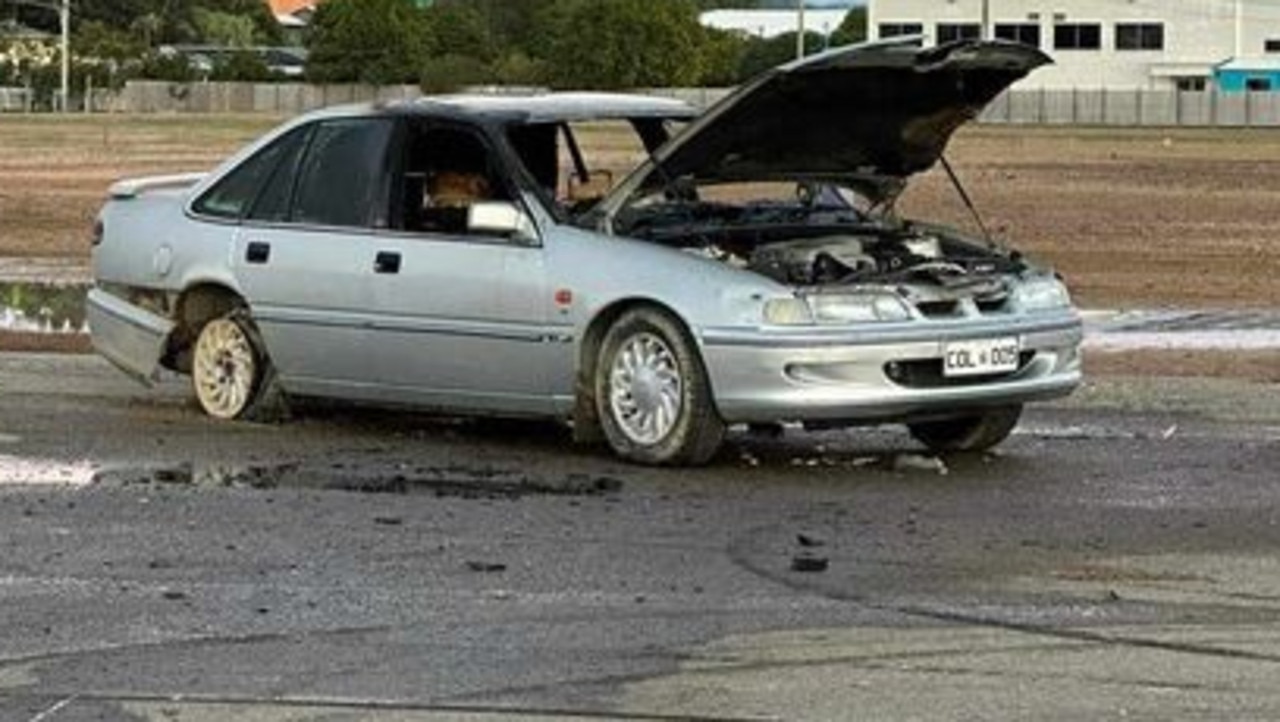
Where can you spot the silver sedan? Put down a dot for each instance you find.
(467, 254)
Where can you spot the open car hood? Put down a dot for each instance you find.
(860, 113)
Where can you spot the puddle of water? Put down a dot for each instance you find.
(42, 307)
(464, 483)
(444, 482)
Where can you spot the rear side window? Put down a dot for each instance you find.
(231, 197)
(343, 178)
(272, 204)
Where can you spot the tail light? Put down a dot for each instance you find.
(97, 232)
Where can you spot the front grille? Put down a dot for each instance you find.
(927, 373)
(938, 309)
(952, 308)
(992, 305)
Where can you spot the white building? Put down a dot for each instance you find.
(771, 23)
(1160, 44)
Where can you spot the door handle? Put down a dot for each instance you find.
(257, 252)
(386, 262)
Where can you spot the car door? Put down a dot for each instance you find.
(304, 255)
(462, 313)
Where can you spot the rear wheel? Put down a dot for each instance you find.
(973, 432)
(652, 393)
(230, 371)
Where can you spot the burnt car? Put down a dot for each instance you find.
(462, 254)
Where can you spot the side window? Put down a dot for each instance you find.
(231, 196)
(445, 171)
(341, 178)
(272, 204)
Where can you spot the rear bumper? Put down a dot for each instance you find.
(850, 377)
(132, 338)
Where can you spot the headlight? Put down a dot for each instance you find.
(1042, 295)
(787, 312)
(836, 308)
(858, 308)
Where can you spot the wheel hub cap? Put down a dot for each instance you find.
(645, 389)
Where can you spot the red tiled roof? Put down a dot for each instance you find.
(289, 7)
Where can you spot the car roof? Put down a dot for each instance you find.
(528, 109)
(562, 107)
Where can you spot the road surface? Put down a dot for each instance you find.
(1116, 558)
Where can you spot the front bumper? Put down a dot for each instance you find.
(869, 375)
(129, 336)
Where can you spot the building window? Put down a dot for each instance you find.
(891, 30)
(1190, 85)
(1258, 85)
(950, 32)
(1139, 36)
(1077, 36)
(1025, 33)
(1271, 45)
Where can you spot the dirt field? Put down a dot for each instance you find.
(54, 172)
(1133, 218)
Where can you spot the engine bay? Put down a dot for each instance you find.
(805, 247)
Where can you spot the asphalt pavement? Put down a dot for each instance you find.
(1115, 559)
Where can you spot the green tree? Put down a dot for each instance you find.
(117, 14)
(518, 68)
(763, 54)
(452, 73)
(853, 29)
(219, 28)
(368, 41)
(98, 41)
(242, 66)
(626, 44)
(722, 55)
(158, 22)
(461, 29)
(266, 29)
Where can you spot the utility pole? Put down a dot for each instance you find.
(985, 33)
(64, 17)
(1239, 28)
(799, 29)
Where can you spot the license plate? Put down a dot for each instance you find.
(982, 357)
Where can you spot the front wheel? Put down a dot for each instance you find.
(230, 371)
(973, 432)
(652, 393)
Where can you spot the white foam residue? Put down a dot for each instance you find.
(1198, 340)
(22, 471)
